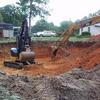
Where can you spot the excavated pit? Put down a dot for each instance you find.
(74, 74)
(84, 55)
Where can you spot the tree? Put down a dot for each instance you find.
(64, 25)
(98, 12)
(42, 25)
(12, 14)
(33, 8)
(84, 18)
(1, 18)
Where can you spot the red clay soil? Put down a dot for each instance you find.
(85, 57)
(95, 38)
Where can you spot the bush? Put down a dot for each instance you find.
(86, 34)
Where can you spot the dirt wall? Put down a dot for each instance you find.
(84, 55)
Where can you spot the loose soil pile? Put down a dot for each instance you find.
(77, 84)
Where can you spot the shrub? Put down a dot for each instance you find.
(86, 34)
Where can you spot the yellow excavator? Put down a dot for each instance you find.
(68, 32)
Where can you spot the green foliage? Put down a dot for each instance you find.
(38, 7)
(1, 18)
(64, 25)
(86, 34)
(42, 25)
(33, 8)
(11, 14)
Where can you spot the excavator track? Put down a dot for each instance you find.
(17, 65)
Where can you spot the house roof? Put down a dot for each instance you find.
(6, 26)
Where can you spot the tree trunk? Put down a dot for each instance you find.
(30, 17)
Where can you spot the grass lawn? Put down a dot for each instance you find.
(13, 40)
(74, 39)
(58, 38)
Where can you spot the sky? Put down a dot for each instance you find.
(62, 10)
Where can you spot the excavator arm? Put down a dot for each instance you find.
(68, 32)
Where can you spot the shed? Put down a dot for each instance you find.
(6, 30)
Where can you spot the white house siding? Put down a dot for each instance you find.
(94, 30)
(8, 33)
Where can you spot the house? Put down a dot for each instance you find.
(93, 29)
(16, 30)
(6, 30)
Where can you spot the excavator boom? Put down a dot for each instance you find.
(68, 32)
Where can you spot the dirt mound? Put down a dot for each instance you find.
(90, 56)
(73, 85)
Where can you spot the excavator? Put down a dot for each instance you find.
(22, 54)
(68, 32)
